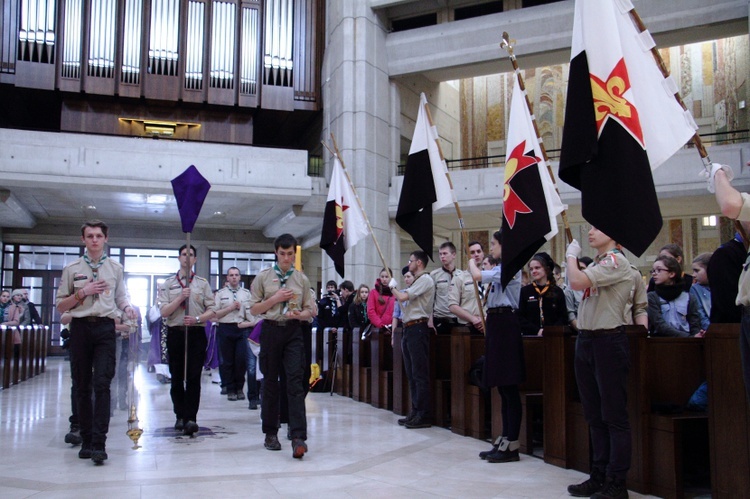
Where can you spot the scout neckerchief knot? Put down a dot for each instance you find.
(94, 267)
(541, 293)
(189, 281)
(282, 282)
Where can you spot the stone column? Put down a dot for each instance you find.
(361, 109)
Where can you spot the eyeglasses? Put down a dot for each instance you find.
(410, 262)
(656, 271)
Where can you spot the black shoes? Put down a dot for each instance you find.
(403, 421)
(85, 452)
(179, 425)
(495, 446)
(272, 442)
(233, 396)
(98, 455)
(253, 406)
(223, 390)
(240, 396)
(299, 447)
(613, 489)
(593, 485)
(73, 437)
(418, 422)
(503, 456)
(190, 428)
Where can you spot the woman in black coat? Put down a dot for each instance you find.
(542, 303)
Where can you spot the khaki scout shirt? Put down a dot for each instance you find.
(462, 294)
(201, 298)
(605, 304)
(224, 297)
(443, 284)
(77, 274)
(421, 298)
(267, 284)
(743, 287)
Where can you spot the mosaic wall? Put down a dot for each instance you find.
(712, 77)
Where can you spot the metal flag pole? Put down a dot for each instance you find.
(134, 432)
(464, 236)
(696, 139)
(335, 152)
(505, 43)
(187, 310)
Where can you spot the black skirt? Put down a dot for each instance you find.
(503, 351)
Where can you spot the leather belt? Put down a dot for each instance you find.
(415, 322)
(290, 322)
(597, 333)
(499, 310)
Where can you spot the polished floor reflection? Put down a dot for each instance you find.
(355, 451)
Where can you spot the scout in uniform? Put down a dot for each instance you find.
(186, 303)
(417, 302)
(602, 361)
(280, 296)
(92, 289)
(443, 319)
(462, 300)
(231, 302)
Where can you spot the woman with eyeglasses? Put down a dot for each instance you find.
(671, 310)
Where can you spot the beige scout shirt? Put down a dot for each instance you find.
(224, 297)
(77, 274)
(421, 298)
(743, 294)
(267, 284)
(462, 294)
(605, 303)
(638, 302)
(201, 298)
(443, 283)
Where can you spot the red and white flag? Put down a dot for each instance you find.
(530, 201)
(344, 223)
(621, 121)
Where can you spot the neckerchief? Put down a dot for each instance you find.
(94, 268)
(541, 293)
(189, 281)
(450, 272)
(282, 283)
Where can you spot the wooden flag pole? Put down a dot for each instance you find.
(696, 138)
(335, 152)
(505, 43)
(187, 309)
(464, 236)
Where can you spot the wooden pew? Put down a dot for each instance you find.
(46, 337)
(674, 370)
(440, 378)
(344, 372)
(6, 356)
(361, 371)
(401, 396)
(381, 365)
(728, 413)
(663, 371)
(468, 402)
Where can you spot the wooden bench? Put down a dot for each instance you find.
(663, 372)
(6, 356)
(440, 378)
(400, 385)
(468, 402)
(361, 371)
(343, 384)
(381, 364)
(728, 413)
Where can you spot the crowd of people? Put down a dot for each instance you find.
(271, 325)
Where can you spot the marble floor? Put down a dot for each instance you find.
(355, 451)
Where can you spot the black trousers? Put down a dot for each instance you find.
(186, 392)
(92, 360)
(415, 347)
(282, 347)
(601, 365)
(233, 363)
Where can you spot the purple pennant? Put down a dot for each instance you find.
(190, 190)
